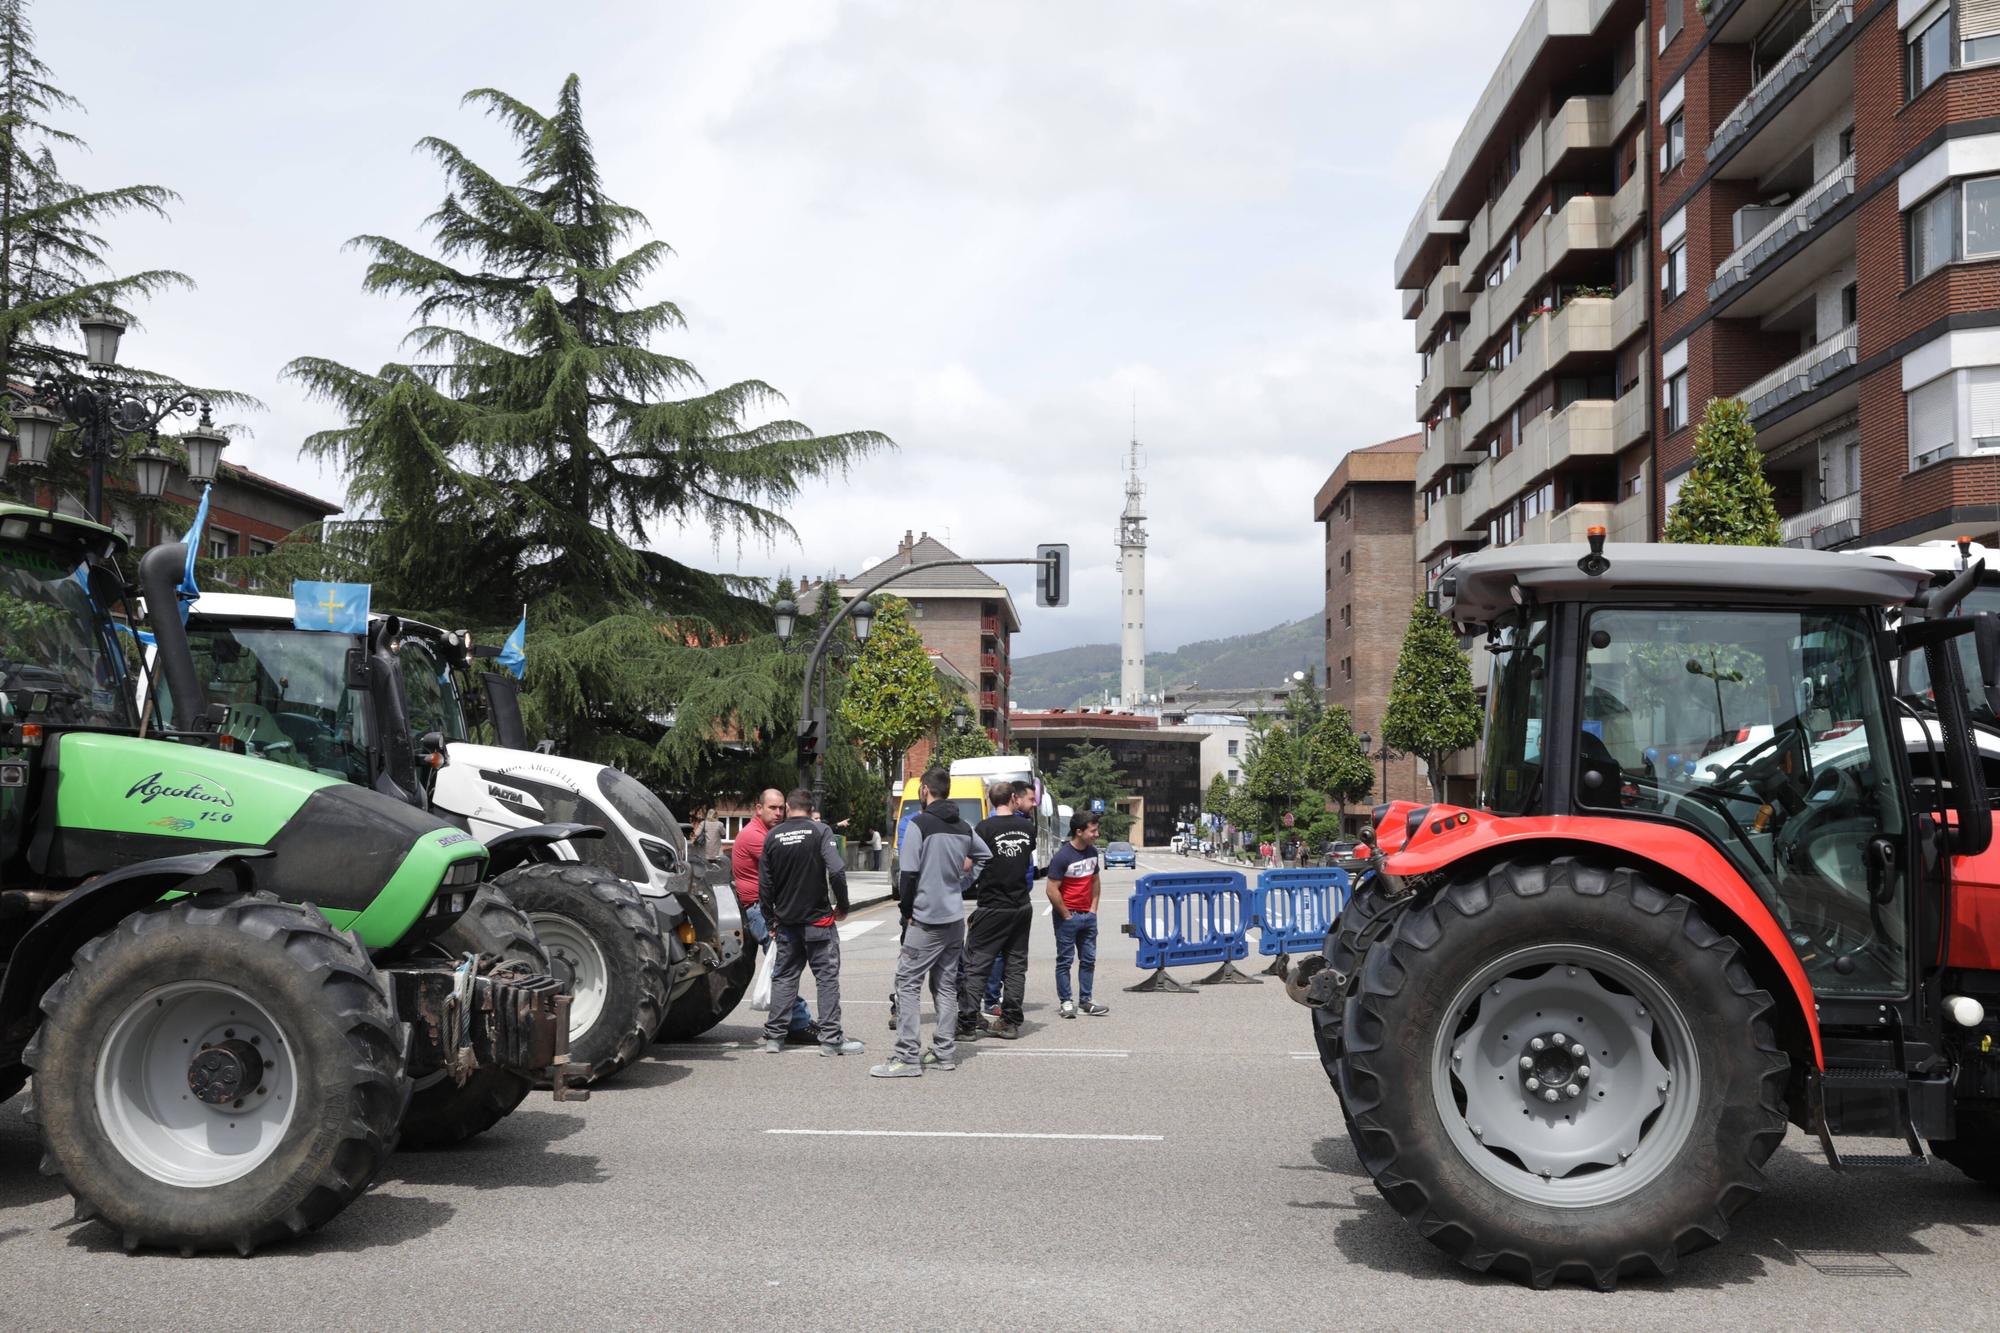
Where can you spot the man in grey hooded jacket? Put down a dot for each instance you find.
(940, 856)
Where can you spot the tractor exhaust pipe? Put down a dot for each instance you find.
(159, 579)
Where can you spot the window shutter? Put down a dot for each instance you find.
(1932, 409)
(1978, 18)
(1983, 405)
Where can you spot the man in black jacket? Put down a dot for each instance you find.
(1003, 921)
(802, 887)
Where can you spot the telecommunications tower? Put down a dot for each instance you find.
(1132, 582)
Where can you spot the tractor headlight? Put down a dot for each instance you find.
(464, 872)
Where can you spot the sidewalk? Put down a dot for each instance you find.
(865, 888)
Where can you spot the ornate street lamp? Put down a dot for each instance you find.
(786, 615)
(149, 470)
(863, 615)
(204, 445)
(101, 333)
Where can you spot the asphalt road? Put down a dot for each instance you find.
(1201, 1177)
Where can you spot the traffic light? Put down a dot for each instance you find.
(809, 739)
(1052, 587)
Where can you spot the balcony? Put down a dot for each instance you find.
(1802, 375)
(1445, 296)
(1479, 500)
(1413, 303)
(989, 625)
(1629, 310)
(1445, 375)
(1444, 526)
(1828, 526)
(1758, 256)
(1574, 523)
(1631, 520)
(1583, 225)
(1441, 450)
(1550, 439)
(1579, 125)
(989, 699)
(989, 662)
(1628, 99)
(1772, 97)
(1631, 417)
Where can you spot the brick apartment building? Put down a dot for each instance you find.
(1830, 236)
(1367, 508)
(966, 618)
(1525, 271)
(248, 513)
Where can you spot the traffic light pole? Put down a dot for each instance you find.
(814, 772)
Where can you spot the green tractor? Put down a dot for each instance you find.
(226, 977)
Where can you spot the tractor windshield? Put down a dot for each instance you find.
(287, 694)
(1764, 731)
(432, 695)
(57, 653)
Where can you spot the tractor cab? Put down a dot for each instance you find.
(1725, 873)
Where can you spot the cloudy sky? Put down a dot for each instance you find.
(987, 229)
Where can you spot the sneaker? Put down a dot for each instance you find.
(968, 1032)
(771, 1046)
(847, 1047)
(806, 1036)
(1068, 1009)
(1094, 1009)
(932, 1060)
(1005, 1031)
(896, 1069)
(993, 1010)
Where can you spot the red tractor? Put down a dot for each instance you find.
(1722, 878)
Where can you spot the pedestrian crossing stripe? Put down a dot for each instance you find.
(854, 929)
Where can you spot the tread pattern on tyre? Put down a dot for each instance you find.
(710, 1000)
(445, 1114)
(635, 952)
(357, 996)
(1976, 1150)
(1368, 916)
(1371, 1074)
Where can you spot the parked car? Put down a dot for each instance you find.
(1121, 854)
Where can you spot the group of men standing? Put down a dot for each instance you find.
(941, 863)
(792, 884)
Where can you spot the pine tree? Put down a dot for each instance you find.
(535, 439)
(1725, 498)
(1335, 763)
(1433, 712)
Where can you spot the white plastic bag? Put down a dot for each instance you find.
(760, 985)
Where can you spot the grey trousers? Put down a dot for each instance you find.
(933, 952)
(799, 947)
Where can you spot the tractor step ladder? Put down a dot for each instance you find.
(1872, 1078)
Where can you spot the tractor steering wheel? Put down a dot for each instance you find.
(1756, 763)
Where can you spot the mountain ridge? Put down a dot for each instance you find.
(1066, 677)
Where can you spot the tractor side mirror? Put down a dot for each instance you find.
(357, 668)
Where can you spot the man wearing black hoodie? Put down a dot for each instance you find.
(802, 886)
(1003, 921)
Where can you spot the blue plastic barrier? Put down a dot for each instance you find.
(1294, 909)
(1190, 917)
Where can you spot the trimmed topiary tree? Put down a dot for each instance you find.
(1726, 499)
(1433, 711)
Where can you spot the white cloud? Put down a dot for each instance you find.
(985, 229)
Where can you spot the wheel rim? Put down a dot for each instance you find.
(1624, 1075)
(196, 1084)
(575, 958)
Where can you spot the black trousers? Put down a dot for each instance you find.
(996, 932)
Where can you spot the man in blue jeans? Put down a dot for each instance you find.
(1076, 879)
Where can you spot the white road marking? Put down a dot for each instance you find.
(850, 929)
(962, 1134)
(1075, 1055)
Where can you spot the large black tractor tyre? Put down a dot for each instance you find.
(1368, 916)
(1561, 1071)
(712, 998)
(443, 1112)
(604, 940)
(218, 1073)
(1976, 1150)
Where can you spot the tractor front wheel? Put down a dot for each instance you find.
(712, 998)
(1561, 1071)
(1976, 1150)
(604, 941)
(442, 1112)
(218, 1073)
(1366, 918)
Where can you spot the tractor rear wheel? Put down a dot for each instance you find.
(442, 1112)
(1976, 1150)
(1560, 1071)
(1366, 918)
(604, 941)
(218, 1073)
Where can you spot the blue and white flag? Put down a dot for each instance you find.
(188, 593)
(336, 608)
(514, 653)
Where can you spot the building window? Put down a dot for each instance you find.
(1232, 749)
(916, 609)
(1347, 668)
(1927, 54)
(1850, 304)
(1674, 151)
(1672, 16)
(1931, 412)
(1674, 273)
(1978, 32)
(1232, 777)
(1347, 562)
(1677, 402)
(1961, 221)
(1347, 614)
(219, 544)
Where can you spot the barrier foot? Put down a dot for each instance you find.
(1160, 981)
(1281, 967)
(1228, 975)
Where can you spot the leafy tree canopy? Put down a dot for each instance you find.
(1433, 711)
(894, 696)
(1725, 499)
(1333, 760)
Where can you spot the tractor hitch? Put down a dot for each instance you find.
(483, 1012)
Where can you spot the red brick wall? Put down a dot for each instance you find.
(1380, 588)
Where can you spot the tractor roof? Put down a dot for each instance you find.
(25, 525)
(1480, 587)
(246, 606)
